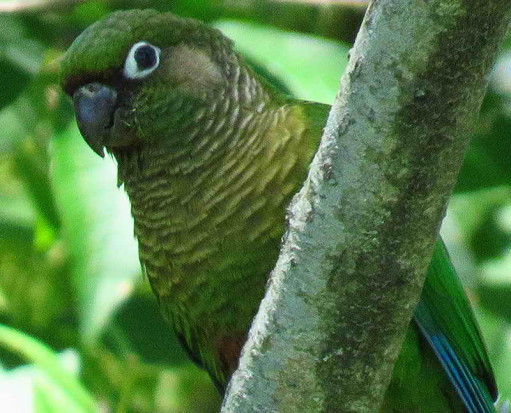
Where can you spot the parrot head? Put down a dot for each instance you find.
(138, 75)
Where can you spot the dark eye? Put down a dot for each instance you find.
(146, 56)
(143, 58)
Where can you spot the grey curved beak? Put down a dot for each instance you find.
(95, 106)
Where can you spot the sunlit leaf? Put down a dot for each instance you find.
(186, 389)
(309, 65)
(97, 227)
(59, 380)
(501, 76)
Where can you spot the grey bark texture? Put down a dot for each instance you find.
(361, 231)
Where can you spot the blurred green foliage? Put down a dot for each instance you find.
(80, 329)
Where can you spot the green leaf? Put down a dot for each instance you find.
(73, 394)
(15, 233)
(17, 219)
(31, 168)
(487, 163)
(476, 213)
(495, 286)
(20, 58)
(497, 334)
(98, 230)
(18, 120)
(310, 66)
(140, 323)
(187, 389)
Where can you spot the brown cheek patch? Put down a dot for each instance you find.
(192, 70)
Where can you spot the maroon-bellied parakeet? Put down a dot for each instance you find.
(210, 155)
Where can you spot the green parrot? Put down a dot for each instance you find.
(210, 155)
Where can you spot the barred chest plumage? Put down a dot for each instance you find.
(209, 222)
(209, 218)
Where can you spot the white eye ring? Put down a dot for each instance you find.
(143, 58)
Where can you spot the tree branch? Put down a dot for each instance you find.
(19, 6)
(362, 229)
